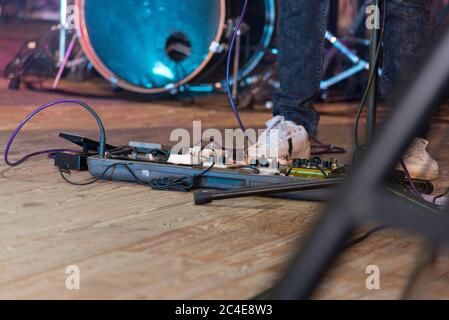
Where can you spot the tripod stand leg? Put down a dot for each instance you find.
(64, 63)
(206, 196)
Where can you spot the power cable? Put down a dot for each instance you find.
(101, 148)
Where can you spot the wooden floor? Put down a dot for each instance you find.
(134, 243)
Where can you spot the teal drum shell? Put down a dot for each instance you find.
(154, 46)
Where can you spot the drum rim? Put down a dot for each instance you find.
(266, 40)
(98, 64)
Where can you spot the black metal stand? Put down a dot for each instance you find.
(206, 196)
(375, 50)
(363, 197)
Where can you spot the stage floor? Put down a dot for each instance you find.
(134, 243)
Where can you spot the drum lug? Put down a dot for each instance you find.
(113, 81)
(216, 47)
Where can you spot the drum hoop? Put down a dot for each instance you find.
(88, 49)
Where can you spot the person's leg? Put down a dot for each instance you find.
(301, 42)
(408, 29)
(302, 30)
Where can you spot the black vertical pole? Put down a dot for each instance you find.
(374, 54)
(334, 16)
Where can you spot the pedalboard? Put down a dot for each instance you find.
(207, 166)
(216, 178)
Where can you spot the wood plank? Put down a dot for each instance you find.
(134, 243)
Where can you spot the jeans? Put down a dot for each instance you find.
(301, 44)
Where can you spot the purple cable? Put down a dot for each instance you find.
(48, 152)
(410, 180)
(228, 67)
(51, 151)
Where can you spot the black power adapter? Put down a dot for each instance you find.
(71, 161)
(77, 160)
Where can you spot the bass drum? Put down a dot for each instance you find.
(153, 46)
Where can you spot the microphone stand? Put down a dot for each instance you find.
(374, 54)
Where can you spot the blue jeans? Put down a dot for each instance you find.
(301, 44)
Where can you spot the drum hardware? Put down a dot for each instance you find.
(358, 25)
(177, 48)
(359, 63)
(62, 30)
(36, 58)
(187, 53)
(236, 65)
(252, 77)
(243, 89)
(41, 58)
(216, 47)
(64, 52)
(65, 59)
(266, 80)
(267, 76)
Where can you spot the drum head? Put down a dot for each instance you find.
(150, 46)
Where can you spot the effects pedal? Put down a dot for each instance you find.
(312, 168)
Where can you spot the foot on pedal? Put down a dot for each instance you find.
(419, 162)
(282, 140)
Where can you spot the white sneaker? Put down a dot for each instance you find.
(419, 162)
(282, 140)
